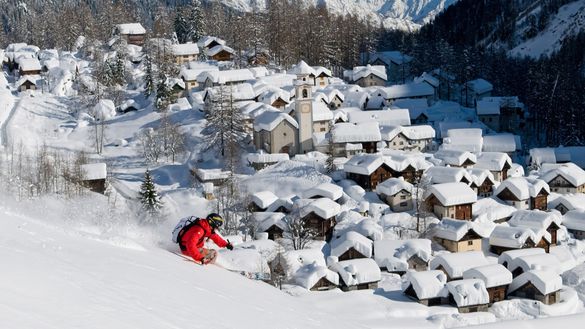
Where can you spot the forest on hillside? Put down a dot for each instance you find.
(459, 41)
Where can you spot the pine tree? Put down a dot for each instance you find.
(181, 26)
(149, 86)
(149, 198)
(164, 94)
(195, 23)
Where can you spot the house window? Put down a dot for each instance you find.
(403, 204)
(403, 197)
(323, 129)
(283, 134)
(470, 242)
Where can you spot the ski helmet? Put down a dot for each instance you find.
(214, 220)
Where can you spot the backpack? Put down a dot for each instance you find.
(182, 227)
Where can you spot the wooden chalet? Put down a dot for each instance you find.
(94, 177)
(457, 235)
(320, 215)
(133, 33)
(351, 245)
(496, 278)
(426, 287)
(524, 193)
(505, 238)
(451, 200)
(543, 286)
(357, 274)
(468, 295)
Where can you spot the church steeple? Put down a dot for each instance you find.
(304, 105)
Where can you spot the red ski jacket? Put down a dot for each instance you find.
(195, 237)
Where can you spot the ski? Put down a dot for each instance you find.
(250, 275)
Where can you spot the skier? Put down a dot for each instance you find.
(191, 240)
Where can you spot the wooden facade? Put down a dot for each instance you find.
(27, 85)
(362, 286)
(274, 232)
(528, 290)
(540, 202)
(471, 241)
(351, 253)
(322, 227)
(418, 264)
(498, 250)
(485, 190)
(96, 185)
(323, 284)
(369, 182)
(497, 293)
(222, 56)
(461, 211)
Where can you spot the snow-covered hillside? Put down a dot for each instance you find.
(62, 268)
(569, 21)
(399, 14)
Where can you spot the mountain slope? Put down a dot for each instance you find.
(399, 14)
(569, 21)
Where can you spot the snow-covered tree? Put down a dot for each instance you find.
(149, 85)
(298, 230)
(149, 198)
(224, 130)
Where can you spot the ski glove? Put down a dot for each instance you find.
(229, 245)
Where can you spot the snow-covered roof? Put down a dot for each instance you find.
(308, 275)
(394, 185)
(409, 90)
(484, 107)
(523, 187)
(357, 223)
(323, 207)
(538, 262)
(320, 70)
(182, 104)
(426, 284)
(575, 220)
(418, 132)
(570, 201)
(264, 199)
(513, 237)
(185, 49)
(269, 120)
(392, 56)
(29, 64)
(207, 40)
(130, 28)
(457, 263)
(545, 281)
(293, 260)
(464, 139)
(357, 271)
(535, 219)
(265, 220)
(302, 68)
(355, 98)
(353, 240)
(212, 174)
(569, 171)
(480, 86)
(490, 209)
(452, 229)
(394, 254)
(345, 132)
(455, 157)
(94, 171)
(397, 117)
(438, 175)
(321, 112)
(450, 194)
(218, 49)
(227, 76)
(327, 190)
(492, 275)
(360, 72)
(468, 292)
(510, 255)
(364, 164)
(428, 78)
(505, 143)
(263, 157)
(479, 176)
